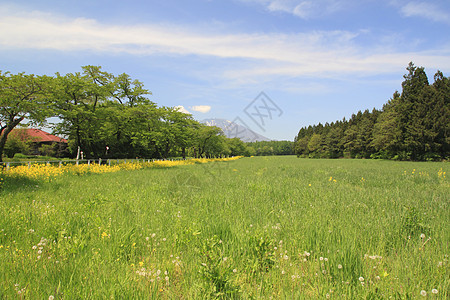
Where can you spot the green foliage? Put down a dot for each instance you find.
(264, 148)
(22, 96)
(18, 143)
(216, 270)
(106, 115)
(261, 256)
(412, 125)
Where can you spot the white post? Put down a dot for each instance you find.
(78, 153)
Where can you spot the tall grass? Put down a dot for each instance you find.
(258, 227)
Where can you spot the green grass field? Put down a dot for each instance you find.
(260, 228)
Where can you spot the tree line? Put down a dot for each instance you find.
(412, 125)
(266, 148)
(107, 115)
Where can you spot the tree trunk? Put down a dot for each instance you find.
(4, 134)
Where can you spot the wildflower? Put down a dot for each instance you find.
(104, 235)
(234, 270)
(361, 279)
(321, 258)
(422, 236)
(51, 297)
(434, 291)
(141, 263)
(286, 257)
(423, 293)
(147, 238)
(34, 247)
(339, 266)
(309, 184)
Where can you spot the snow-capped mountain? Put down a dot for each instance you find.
(236, 129)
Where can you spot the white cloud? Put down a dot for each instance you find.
(181, 108)
(426, 10)
(261, 56)
(304, 9)
(201, 108)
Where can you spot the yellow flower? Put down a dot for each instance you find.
(104, 235)
(141, 263)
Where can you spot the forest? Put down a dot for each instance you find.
(412, 125)
(105, 115)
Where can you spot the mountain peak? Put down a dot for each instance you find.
(235, 130)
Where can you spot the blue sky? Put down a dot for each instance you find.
(318, 61)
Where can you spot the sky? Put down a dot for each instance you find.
(272, 65)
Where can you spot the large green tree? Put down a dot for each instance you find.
(22, 97)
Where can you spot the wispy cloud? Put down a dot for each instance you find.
(305, 9)
(254, 57)
(426, 10)
(201, 108)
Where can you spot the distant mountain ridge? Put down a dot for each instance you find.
(233, 130)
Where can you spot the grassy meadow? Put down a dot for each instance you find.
(253, 228)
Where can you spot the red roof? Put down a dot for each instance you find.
(39, 135)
